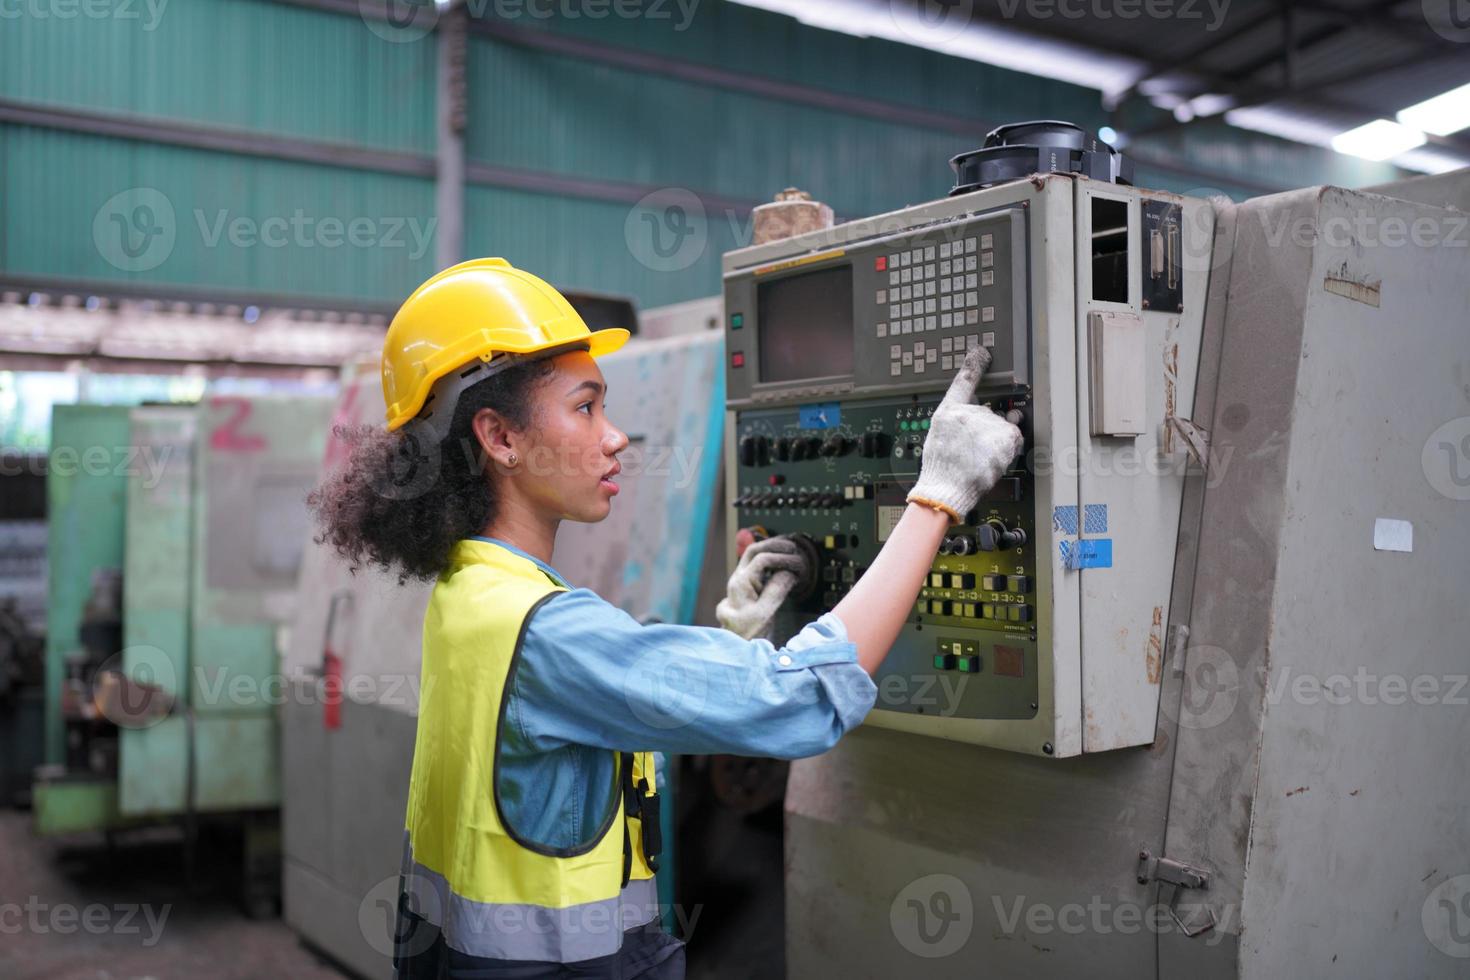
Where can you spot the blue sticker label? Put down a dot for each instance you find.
(1095, 518)
(1087, 553)
(1064, 519)
(824, 415)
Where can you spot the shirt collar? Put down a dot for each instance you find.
(557, 576)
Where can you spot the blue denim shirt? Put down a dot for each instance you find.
(589, 678)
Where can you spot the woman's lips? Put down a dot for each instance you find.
(606, 482)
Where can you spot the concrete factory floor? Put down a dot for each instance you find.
(73, 910)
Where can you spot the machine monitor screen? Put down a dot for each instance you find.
(805, 325)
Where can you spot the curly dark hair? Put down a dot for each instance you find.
(401, 503)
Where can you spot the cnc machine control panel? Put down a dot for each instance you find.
(875, 333)
(839, 346)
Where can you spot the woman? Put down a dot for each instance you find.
(531, 836)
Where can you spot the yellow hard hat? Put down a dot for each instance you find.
(472, 312)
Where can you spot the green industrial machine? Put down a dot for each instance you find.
(175, 536)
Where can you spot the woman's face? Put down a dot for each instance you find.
(570, 450)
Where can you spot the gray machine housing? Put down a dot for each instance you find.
(1300, 809)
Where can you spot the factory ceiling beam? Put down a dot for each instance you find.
(204, 137)
(1236, 84)
(1194, 55)
(1248, 94)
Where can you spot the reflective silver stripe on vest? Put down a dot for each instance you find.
(510, 931)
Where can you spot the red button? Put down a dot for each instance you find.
(737, 359)
(775, 479)
(880, 263)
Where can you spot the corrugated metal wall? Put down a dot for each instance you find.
(254, 65)
(609, 131)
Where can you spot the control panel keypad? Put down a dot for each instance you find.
(932, 296)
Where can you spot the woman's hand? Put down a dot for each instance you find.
(967, 450)
(968, 446)
(767, 572)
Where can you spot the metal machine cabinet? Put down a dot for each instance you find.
(153, 763)
(197, 515)
(1309, 665)
(86, 492)
(257, 458)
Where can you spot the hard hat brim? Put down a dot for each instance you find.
(606, 340)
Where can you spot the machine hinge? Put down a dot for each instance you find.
(1180, 876)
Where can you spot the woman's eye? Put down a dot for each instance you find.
(587, 406)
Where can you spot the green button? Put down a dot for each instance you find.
(925, 423)
(939, 661)
(903, 427)
(737, 320)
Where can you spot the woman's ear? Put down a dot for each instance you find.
(494, 437)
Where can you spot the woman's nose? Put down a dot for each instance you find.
(614, 440)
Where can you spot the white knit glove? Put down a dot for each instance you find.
(968, 447)
(765, 576)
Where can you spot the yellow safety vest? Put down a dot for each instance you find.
(491, 894)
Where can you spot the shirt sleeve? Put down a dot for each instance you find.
(590, 674)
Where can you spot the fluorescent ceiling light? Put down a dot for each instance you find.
(1284, 123)
(963, 33)
(1441, 115)
(1377, 140)
(1211, 104)
(1426, 160)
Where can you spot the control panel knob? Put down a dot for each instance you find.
(994, 535)
(783, 448)
(961, 544)
(747, 450)
(803, 499)
(813, 447)
(873, 445)
(834, 445)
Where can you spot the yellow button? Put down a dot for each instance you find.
(830, 541)
(970, 610)
(936, 580)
